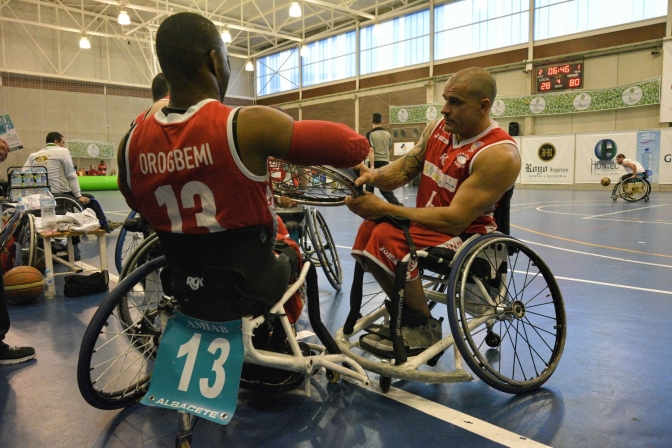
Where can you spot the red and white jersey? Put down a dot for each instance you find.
(185, 175)
(449, 163)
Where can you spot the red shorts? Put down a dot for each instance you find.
(384, 244)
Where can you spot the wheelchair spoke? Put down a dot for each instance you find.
(528, 314)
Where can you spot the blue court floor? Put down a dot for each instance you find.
(612, 388)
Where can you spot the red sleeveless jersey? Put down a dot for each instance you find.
(185, 174)
(449, 163)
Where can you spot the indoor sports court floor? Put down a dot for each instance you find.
(612, 388)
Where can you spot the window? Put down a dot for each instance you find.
(278, 72)
(399, 42)
(471, 26)
(555, 18)
(330, 59)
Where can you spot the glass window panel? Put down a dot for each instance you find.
(399, 42)
(330, 59)
(463, 27)
(554, 18)
(278, 72)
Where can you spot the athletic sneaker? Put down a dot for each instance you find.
(114, 225)
(16, 355)
(416, 339)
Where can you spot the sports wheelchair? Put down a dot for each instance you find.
(632, 189)
(504, 309)
(121, 346)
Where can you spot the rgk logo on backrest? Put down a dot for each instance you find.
(195, 282)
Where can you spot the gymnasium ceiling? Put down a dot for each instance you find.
(257, 27)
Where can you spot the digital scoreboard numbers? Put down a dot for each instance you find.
(553, 78)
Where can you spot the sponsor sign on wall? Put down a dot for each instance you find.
(648, 152)
(548, 160)
(596, 155)
(8, 132)
(401, 148)
(92, 149)
(665, 160)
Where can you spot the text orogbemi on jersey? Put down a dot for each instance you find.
(175, 159)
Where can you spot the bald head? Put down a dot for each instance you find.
(481, 84)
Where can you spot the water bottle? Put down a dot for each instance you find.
(48, 211)
(16, 179)
(20, 206)
(49, 285)
(648, 162)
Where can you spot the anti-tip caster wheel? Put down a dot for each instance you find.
(492, 339)
(333, 377)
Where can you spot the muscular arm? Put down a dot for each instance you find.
(264, 132)
(401, 171)
(494, 171)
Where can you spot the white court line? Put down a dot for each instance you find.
(624, 211)
(453, 417)
(598, 255)
(659, 291)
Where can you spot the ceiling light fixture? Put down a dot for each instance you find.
(226, 36)
(84, 43)
(304, 51)
(295, 10)
(249, 67)
(376, 29)
(123, 18)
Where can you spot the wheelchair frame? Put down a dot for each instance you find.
(637, 192)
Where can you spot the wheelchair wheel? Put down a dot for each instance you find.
(325, 248)
(315, 185)
(117, 354)
(127, 242)
(27, 240)
(66, 204)
(506, 313)
(634, 189)
(149, 249)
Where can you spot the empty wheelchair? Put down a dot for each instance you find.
(504, 308)
(632, 189)
(145, 321)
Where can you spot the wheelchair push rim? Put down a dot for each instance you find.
(506, 313)
(634, 189)
(314, 185)
(116, 358)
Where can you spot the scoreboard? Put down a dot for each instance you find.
(552, 78)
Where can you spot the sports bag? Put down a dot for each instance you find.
(84, 285)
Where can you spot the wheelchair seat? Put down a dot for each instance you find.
(238, 265)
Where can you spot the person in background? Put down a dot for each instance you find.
(159, 96)
(56, 158)
(8, 354)
(379, 154)
(466, 163)
(633, 167)
(102, 168)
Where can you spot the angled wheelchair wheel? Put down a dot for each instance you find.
(117, 354)
(149, 249)
(506, 313)
(26, 237)
(128, 239)
(325, 248)
(315, 185)
(634, 189)
(65, 204)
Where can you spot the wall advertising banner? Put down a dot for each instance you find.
(648, 152)
(596, 155)
(519, 142)
(665, 161)
(92, 149)
(643, 93)
(8, 132)
(666, 84)
(548, 160)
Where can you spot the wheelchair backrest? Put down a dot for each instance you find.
(503, 212)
